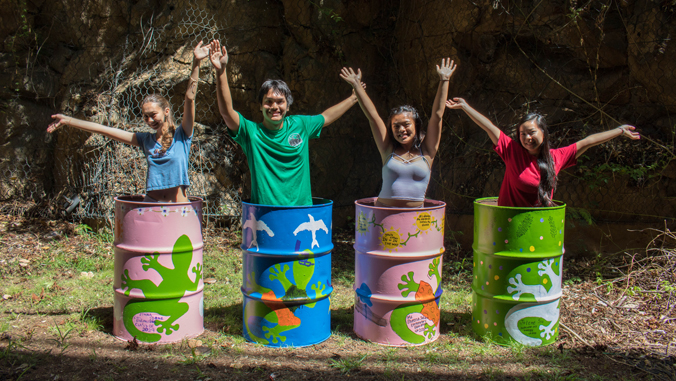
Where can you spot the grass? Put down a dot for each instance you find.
(347, 365)
(54, 286)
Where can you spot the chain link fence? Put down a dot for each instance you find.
(90, 170)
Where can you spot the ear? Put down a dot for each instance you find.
(167, 110)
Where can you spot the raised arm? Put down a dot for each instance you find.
(378, 127)
(113, 133)
(483, 122)
(433, 136)
(188, 122)
(602, 137)
(219, 58)
(332, 113)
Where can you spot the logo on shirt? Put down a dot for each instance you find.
(295, 140)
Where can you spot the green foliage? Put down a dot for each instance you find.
(578, 215)
(328, 12)
(61, 339)
(193, 358)
(346, 365)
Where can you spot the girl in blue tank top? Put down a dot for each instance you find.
(167, 149)
(406, 152)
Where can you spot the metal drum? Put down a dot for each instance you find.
(286, 255)
(398, 258)
(158, 270)
(518, 263)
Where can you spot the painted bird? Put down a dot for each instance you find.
(255, 226)
(312, 226)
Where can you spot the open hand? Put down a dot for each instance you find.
(351, 77)
(446, 69)
(219, 56)
(201, 52)
(629, 132)
(61, 120)
(456, 103)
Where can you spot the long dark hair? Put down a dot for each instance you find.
(419, 135)
(544, 160)
(164, 104)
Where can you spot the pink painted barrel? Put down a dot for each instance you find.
(158, 270)
(398, 259)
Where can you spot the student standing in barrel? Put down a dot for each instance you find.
(277, 148)
(406, 151)
(532, 166)
(167, 149)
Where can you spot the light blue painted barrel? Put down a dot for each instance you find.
(286, 255)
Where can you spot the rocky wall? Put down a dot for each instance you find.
(588, 66)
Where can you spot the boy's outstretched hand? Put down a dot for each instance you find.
(455, 103)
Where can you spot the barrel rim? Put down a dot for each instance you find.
(287, 302)
(168, 296)
(265, 252)
(317, 202)
(477, 202)
(138, 199)
(402, 255)
(364, 203)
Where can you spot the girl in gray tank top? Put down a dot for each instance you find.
(406, 152)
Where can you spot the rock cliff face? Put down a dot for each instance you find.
(587, 66)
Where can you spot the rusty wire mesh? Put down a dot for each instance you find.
(96, 168)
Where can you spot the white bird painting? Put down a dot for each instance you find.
(312, 226)
(255, 226)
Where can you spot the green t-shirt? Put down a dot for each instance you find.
(279, 161)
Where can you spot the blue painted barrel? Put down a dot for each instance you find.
(286, 255)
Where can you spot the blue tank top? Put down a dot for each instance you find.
(169, 169)
(405, 179)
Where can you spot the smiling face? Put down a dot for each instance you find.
(154, 116)
(403, 128)
(274, 108)
(531, 137)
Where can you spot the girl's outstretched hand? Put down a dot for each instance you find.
(219, 56)
(629, 132)
(351, 77)
(61, 120)
(446, 69)
(201, 52)
(456, 103)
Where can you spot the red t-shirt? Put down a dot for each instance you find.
(522, 176)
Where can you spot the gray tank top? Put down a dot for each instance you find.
(405, 179)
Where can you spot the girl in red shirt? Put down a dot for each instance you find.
(532, 167)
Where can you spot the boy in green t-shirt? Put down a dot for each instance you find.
(277, 149)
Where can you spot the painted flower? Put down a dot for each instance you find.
(141, 211)
(185, 211)
(165, 211)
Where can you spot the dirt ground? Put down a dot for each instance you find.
(618, 322)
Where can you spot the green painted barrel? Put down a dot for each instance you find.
(518, 263)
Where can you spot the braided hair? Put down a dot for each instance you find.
(161, 101)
